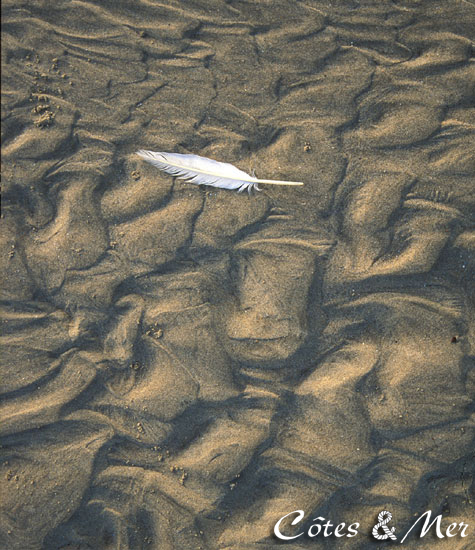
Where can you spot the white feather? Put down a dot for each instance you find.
(204, 171)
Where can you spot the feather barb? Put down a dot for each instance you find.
(205, 171)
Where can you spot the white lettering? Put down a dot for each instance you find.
(451, 528)
(353, 530)
(426, 527)
(277, 532)
(327, 526)
(338, 530)
(319, 527)
(463, 526)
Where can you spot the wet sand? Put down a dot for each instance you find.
(184, 365)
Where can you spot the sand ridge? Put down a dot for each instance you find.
(182, 366)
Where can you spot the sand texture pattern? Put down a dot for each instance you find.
(184, 365)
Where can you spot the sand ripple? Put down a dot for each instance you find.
(184, 366)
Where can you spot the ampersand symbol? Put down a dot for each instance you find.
(389, 533)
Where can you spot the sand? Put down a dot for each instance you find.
(184, 365)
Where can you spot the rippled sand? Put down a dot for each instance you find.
(184, 365)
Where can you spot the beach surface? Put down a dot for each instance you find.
(185, 365)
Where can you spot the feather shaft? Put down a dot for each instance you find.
(205, 171)
(279, 182)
